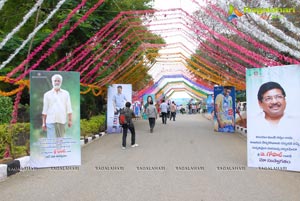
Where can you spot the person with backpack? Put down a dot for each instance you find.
(151, 112)
(128, 124)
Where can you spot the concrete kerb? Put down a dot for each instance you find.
(241, 130)
(23, 163)
(91, 138)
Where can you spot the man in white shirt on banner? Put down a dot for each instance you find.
(57, 110)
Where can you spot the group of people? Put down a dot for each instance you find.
(168, 110)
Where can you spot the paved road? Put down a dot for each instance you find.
(181, 161)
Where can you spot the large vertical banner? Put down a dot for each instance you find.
(146, 101)
(210, 103)
(54, 119)
(117, 96)
(273, 116)
(224, 111)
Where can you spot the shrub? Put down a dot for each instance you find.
(6, 108)
(95, 125)
(16, 135)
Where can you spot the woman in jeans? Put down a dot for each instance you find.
(151, 112)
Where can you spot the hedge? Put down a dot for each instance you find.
(17, 135)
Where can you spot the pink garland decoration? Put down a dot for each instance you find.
(85, 51)
(215, 43)
(16, 107)
(59, 42)
(254, 55)
(95, 56)
(255, 43)
(47, 40)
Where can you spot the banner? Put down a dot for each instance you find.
(273, 115)
(54, 119)
(137, 108)
(224, 110)
(210, 103)
(117, 96)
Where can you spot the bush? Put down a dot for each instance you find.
(6, 108)
(95, 125)
(17, 136)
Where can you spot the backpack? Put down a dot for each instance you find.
(124, 117)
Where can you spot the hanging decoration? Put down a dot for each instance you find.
(2, 2)
(25, 19)
(100, 59)
(30, 36)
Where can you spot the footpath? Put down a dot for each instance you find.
(181, 160)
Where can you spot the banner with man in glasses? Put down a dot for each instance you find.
(273, 115)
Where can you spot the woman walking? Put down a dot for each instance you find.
(151, 112)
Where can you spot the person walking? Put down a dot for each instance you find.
(164, 110)
(129, 114)
(151, 112)
(173, 109)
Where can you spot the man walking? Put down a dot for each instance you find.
(164, 110)
(129, 114)
(173, 109)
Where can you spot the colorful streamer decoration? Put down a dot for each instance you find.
(100, 60)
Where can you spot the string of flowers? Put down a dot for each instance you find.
(47, 40)
(31, 35)
(97, 93)
(287, 24)
(86, 91)
(197, 30)
(51, 36)
(224, 59)
(248, 28)
(16, 106)
(252, 41)
(266, 61)
(158, 24)
(12, 92)
(2, 2)
(111, 45)
(96, 56)
(18, 27)
(211, 68)
(82, 50)
(277, 32)
(59, 42)
(21, 83)
(254, 31)
(263, 60)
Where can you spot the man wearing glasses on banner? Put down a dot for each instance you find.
(273, 119)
